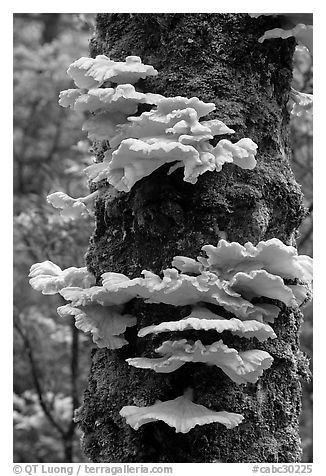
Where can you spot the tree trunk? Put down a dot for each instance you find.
(217, 58)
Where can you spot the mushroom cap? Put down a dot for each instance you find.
(180, 413)
(89, 73)
(241, 367)
(49, 278)
(106, 324)
(203, 319)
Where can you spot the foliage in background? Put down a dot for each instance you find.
(302, 136)
(51, 359)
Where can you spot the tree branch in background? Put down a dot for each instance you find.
(36, 379)
(307, 236)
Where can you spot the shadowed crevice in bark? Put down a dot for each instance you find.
(217, 58)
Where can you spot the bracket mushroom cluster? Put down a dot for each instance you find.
(230, 276)
(172, 132)
(49, 278)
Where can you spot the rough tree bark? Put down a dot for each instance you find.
(217, 58)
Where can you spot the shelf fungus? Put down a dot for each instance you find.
(241, 367)
(170, 104)
(261, 283)
(124, 99)
(231, 277)
(49, 278)
(106, 324)
(300, 103)
(181, 124)
(178, 289)
(226, 259)
(89, 73)
(72, 208)
(187, 265)
(302, 33)
(174, 288)
(95, 294)
(298, 25)
(143, 151)
(253, 271)
(203, 319)
(180, 413)
(68, 97)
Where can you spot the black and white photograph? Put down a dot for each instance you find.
(162, 241)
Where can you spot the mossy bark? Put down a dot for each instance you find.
(217, 58)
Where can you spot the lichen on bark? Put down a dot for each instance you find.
(217, 58)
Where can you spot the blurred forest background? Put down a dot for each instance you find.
(51, 357)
